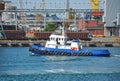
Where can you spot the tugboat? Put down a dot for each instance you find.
(58, 45)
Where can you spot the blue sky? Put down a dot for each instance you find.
(77, 4)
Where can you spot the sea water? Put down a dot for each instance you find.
(16, 64)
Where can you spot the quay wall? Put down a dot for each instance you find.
(95, 42)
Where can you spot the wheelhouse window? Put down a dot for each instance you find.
(58, 38)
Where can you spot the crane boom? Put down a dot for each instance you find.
(23, 15)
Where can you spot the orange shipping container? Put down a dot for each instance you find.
(97, 14)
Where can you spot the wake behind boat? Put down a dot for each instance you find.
(58, 45)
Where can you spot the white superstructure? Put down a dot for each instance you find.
(60, 42)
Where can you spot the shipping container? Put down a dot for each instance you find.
(2, 5)
(42, 35)
(71, 35)
(14, 34)
(20, 35)
(97, 33)
(97, 13)
(79, 35)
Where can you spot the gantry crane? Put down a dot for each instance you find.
(95, 8)
(22, 14)
(42, 6)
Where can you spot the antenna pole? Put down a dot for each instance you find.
(63, 29)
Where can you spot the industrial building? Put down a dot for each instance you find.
(111, 18)
(97, 21)
(95, 27)
(9, 16)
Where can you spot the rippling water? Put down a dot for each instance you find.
(17, 65)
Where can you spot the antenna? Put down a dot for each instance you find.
(68, 14)
(63, 28)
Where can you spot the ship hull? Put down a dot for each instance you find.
(41, 50)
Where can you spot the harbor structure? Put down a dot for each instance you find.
(111, 18)
(9, 19)
(95, 27)
(37, 18)
(9, 16)
(2, 7)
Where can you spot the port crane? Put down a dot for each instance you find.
(66, 10)
(22, 14)
(95, 7)
(95, 10)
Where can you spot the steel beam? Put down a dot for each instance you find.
(55, 10)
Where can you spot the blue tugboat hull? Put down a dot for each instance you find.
(41, 50)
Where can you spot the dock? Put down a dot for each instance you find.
(19, 43)
(103, 42)
(95, 42)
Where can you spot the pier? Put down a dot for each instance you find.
(19, 43)
(95, 42)
(102, 42)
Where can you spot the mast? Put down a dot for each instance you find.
(68, 14)
(43, 7)
(63, 28)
